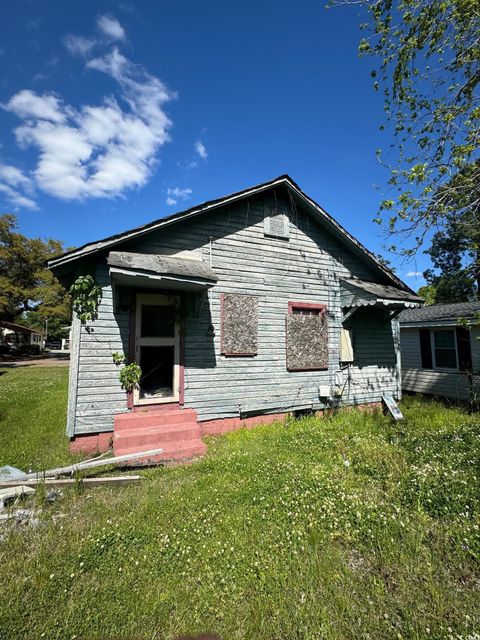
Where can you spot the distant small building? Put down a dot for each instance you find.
(437, 353)
(16, 335)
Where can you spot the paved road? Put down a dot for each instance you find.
(59, 358)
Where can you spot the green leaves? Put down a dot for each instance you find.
(428, 57)
(130, 376)
(86, 295)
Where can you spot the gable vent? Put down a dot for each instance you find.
(276, 224)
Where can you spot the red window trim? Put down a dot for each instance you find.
(306, 305)
(236, 354)
(322, 308)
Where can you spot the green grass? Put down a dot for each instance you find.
(347, 527)
(33, 408)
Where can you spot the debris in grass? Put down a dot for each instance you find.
(12, 493)
(90, 464)
(127, 479)
(11, 473)
(53, 494)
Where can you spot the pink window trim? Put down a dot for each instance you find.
(222, 350)
(306, 305)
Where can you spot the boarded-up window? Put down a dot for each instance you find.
(239, 325)
(307, 337)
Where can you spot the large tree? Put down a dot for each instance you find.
(427, 54)
(455, 256)
(29, 293)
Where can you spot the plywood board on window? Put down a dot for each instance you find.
(239, 324)
(307, 342)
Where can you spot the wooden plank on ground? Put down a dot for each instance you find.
(91, 464)
(60, 482)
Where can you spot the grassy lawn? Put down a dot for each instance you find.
(346, 527)
(33, 410)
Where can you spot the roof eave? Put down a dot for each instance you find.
(340, 231)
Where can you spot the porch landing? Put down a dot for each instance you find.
(176, 431)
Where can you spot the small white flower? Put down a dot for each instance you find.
(346, 463)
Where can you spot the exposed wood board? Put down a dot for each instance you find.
(92, 464)
(61, 482)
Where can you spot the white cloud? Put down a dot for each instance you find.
(78, 45)
(14, 184)
(27, 104)
(111, 27)
(201, 150)
(96, 151)
(414, 274)
(176, 194)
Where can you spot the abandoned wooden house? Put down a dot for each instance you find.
(238, 311)
(441, 350)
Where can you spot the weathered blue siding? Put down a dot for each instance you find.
(305, 268)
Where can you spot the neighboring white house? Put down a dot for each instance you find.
(16, 335)
(437, 353)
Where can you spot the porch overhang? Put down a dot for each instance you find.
(355, 293)
(155, 271)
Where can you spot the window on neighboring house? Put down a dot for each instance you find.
(444, 347)
(306, 337)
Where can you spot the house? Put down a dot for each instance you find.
(438, 353)
(17, 335)
(239, 310)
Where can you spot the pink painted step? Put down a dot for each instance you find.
(176, 431)
(140, 420)
(179, 451)
(151, 435)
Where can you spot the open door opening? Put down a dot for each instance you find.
(157, 348)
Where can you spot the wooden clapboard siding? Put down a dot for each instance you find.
(447, 384)
(305, 268)
(99, 393)
(452, 385)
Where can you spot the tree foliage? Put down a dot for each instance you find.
(428, 54)
(455, 256)
(29, 292)
(428, 293)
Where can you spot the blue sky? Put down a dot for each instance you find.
(117, 113)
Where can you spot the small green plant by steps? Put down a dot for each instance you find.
(86, 295)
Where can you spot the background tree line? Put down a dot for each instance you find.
(29, 293)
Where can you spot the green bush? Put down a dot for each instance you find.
(28, 349)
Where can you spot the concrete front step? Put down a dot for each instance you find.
(154, 437)
(176, 431)
(178, 451)
(141, 420)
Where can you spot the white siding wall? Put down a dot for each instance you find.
(452, 385)
(305, 268)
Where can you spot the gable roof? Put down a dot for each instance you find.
(19, 328)
(439, 314)
(282, 181)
